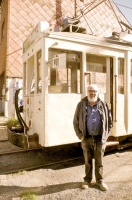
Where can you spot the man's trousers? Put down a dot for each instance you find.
(93, 149)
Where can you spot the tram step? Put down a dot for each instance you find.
(124, 145)
(112, 143)
(33, 141)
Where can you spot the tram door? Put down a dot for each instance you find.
(99, 71)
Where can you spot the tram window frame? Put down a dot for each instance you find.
(39, 71)
(64, 71)
(120, 75)
(31, 75)
(96, 67)
(25, 77)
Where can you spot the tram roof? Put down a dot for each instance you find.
(114, 42)
(87, 38)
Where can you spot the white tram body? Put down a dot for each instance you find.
(58, 66)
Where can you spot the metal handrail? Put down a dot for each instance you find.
(115, 116)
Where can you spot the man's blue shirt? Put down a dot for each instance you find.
(93, 121)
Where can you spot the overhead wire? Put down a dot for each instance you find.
(90, 9)
(123, 6)
(121, 11)
(81, 10)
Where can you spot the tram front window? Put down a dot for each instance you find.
(96, 71)
(64, 71)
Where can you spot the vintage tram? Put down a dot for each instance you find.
(57, 67)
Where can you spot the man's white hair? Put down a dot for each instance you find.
(94, 86)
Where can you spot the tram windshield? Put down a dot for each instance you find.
(96, 71)
(64, 71)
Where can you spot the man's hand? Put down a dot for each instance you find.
(82, 138)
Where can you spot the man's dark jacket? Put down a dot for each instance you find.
(81, 115)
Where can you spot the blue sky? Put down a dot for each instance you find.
(127, 12)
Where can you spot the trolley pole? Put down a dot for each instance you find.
(75, 8)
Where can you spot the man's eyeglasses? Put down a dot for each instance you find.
(94, 91)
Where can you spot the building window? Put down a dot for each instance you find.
(1, 7)
(3, 30)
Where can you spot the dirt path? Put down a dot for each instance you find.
(64, 182)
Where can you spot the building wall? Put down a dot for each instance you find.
(4, 21)
(24, 16)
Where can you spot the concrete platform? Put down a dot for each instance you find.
(3, 128)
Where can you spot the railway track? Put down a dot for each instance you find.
(14, 159)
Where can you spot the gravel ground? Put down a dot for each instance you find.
(63, 181)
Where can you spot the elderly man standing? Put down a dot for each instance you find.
(92, 123)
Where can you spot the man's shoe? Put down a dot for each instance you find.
(102, 186)
(86, 185)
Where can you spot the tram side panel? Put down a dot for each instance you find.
(120, 124)
(54, 126)
(60, 109)
(35, 117)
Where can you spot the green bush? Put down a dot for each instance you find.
(28, 196)
(13, 122)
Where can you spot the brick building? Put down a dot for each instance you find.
(19, 17)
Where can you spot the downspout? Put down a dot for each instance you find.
(7, 52)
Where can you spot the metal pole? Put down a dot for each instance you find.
(75, 6)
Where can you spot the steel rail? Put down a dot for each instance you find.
(19, 151)
(40, 166)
